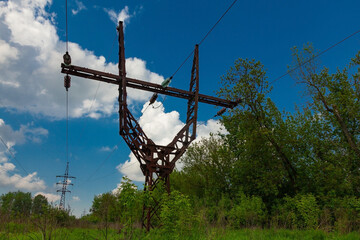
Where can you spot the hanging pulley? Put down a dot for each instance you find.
(67, 59)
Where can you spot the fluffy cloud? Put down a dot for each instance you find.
(10, 137)
(30, 56)
(75, 198)
(79, 7)
(25, 133)
(122, 15)
(50, 197)
(162, 127)
(29, 182)
(8, 53)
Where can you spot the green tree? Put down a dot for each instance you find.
(129, 205)
(6, 202)
(259, 136)
(104, 207)
(206, 171)
(335, 100)
(16, 204)
(39, 205)
(22, 204)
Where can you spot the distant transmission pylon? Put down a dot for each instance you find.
(64, 183)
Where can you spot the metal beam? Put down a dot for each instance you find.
(143, 85)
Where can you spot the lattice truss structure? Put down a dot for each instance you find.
(65, 182)
(156, 161)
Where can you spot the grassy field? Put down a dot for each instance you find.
(215, 233)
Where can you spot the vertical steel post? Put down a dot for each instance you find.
(196, 90)
(191, 117)
(122, 84)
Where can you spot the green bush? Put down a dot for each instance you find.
(176, 214)
(284, 214)
(301, 211)
(307, 211)
(347, 215)
(13, 227)
(247, 212)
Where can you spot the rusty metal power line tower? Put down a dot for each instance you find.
(156, 161)
(64, 184)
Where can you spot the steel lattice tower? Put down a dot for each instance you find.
(64, 184)
(156, 161)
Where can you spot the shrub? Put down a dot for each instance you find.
(284, 214)
(176, 214)
(301, 211)
(307, 211)
(347, 215)
(247, 212)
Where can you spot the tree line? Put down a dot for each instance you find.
(273, 169)
(22, 213)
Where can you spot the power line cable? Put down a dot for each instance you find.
(66, 20)
(206, 35)
(18, 162)
(67, 126)
(97, 89)
(18, 176)
(316, 56)
(202, 40)
(112, 173)
(13, 155)
(94, 100)
(96, 92)
(103, 162)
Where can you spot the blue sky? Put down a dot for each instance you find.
(158, 37)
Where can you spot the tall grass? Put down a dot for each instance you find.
(205, 234)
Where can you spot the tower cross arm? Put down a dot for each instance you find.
(65, 176)
(143, 85)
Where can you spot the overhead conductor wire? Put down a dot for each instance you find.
(206, 35)
(316, 56)
(67, 92)
(13, 155)
(66, 23)
(192, 52)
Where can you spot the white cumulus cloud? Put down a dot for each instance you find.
(161, 127)
(8, 53)
(26, 133)
(10, 137)
(31, 53)
(52, 198)
(29, 182)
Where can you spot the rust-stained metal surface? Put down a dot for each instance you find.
(143, 85)
(156, 161)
